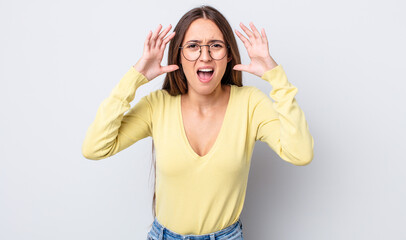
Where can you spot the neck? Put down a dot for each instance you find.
(205, 103)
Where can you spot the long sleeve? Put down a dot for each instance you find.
(281, 123)
(111, 130)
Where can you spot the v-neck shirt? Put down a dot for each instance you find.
(225, 120)
(202, 194)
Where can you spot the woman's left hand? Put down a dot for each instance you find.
(258, 51)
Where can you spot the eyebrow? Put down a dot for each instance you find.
(199, 41)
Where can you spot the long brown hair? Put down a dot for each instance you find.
(175, 82)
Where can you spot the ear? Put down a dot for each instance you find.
(229, 59)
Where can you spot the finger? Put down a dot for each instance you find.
(247, 31)
(255, 30)
(240, 67)
(169, 68)
(167, 39)
(162, 35)
(264, 37)
(155, 35)
(146, 43)
(246, 42)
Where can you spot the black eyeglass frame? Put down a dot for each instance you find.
(200, 51)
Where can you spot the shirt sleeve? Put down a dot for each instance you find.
(111, 130)
(281, 123)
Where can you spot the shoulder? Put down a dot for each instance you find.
(250, 93)
(159, 97)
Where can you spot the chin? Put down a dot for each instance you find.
(204, 89)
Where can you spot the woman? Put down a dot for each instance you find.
(203, 122)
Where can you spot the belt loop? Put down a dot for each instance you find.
(161, 234)
(212, 237)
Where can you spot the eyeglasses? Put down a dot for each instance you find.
(192, 51)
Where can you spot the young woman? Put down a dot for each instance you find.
(203, 123)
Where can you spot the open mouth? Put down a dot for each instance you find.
(205, 75)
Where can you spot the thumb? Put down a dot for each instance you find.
(170, 68)
(240, 67)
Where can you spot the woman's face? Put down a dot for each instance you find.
(205, 32)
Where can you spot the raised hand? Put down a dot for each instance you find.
(150, 63)
(258, 51)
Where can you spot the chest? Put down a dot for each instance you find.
(186, 142)
(202, 131)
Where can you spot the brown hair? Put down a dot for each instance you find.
(175, 82)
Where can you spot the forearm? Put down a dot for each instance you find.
(289, 134)
(103, 137)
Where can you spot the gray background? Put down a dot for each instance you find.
(60, 59)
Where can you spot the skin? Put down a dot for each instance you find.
(204, 97)
(258, 50)
(155, 43)
(204, 106)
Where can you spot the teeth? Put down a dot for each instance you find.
(206, 70)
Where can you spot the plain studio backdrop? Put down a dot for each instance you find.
(60, 59)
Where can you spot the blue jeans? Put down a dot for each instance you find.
(159, 232)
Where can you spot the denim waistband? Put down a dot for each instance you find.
(160, 231)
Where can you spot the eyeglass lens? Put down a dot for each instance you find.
(192, 51)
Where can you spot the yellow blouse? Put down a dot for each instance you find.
(201, 194)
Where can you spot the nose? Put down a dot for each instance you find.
(205, 54)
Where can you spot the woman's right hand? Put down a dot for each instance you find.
(150, 63)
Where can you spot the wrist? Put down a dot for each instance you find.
(271, 63)
(138, 69)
